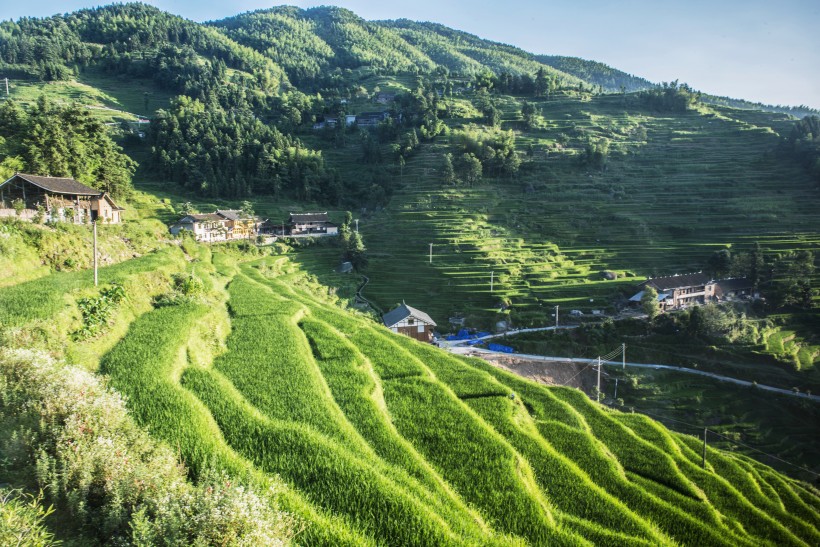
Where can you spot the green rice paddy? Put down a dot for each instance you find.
(380, 439)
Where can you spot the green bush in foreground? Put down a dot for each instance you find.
(22, 519)
(106, 478)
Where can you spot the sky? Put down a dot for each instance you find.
(758, 50)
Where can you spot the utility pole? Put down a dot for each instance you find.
(703, 463)
(7, 87)
(431, 253)
(615, 397)
(556, 317)
(492, 274)
(357, 225)
(94, 225)
(623, 357)
(599, 380)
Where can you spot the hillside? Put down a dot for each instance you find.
(610, 79)
(379, 438)
(499, 187)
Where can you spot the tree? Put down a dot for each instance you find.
(448, 171)
(649, 302)
(530, 114)
(720, 263)
(542, 85)
(247, 209)
(186, 208)
(492, 116)
(471, 168)
(356, 251)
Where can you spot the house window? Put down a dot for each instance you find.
(411, 321)
(421, 327)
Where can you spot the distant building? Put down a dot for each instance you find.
(60, 198)
(350, 119)
(371, 119)
(682, 291)
(221, 225)
(385, 98)
(317, 224)
(410, 322)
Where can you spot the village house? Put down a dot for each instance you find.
(221, 225)
(350, 119)
(681, 291)
(371, 119)
(58, 198)
(385, 98)
(410, 322)
(314, 224)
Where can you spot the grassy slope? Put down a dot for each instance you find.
(384, 439)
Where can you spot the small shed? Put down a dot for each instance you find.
(410, 322)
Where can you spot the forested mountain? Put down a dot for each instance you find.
(610, 79)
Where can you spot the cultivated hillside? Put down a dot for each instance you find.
(382, 439)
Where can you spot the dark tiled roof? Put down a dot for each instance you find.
(394, 316)
(201, 217)
(376, 114)
(734, 284)
(308, 217)
(58, 185)
(678, 281)
(232, 214)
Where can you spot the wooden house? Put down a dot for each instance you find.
(410, 322)
(59, 198)
(316, 224)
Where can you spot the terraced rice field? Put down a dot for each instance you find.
(384, 440)
(700, 182)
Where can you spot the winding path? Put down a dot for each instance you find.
(465, 350)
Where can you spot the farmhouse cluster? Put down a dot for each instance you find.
(56, 199)
(681, 291)
(234, 224)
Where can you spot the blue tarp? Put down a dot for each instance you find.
(464, 334)
(499, 347)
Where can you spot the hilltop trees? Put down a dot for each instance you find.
(804, 142)
(232, 154)
(670, 97)
(495, 149)
(63, 141)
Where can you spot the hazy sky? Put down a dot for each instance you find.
(758, 50)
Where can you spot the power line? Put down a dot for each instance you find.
(700, 427)
(767, 454)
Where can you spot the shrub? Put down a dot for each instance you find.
(22, 519)
(97, 311)
(107, 476)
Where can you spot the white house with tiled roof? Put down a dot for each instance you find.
(410, 322)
